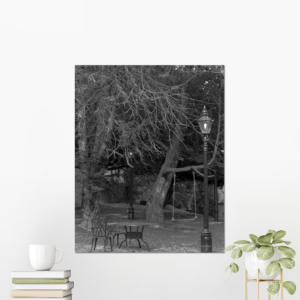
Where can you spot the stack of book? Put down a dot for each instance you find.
(37, 285)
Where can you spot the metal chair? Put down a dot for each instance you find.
(113, 228)
(99, 230)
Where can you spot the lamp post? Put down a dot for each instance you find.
(205, 123)
(130, 208)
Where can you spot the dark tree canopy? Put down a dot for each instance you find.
(126, 110)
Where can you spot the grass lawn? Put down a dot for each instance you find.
(182, 236)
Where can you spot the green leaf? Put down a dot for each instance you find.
(272, 231)
(290, 287)
(236, 253)
(273, 288)
(227, 268)
(229, 248)
(234, 268)
(253, 238)
(249, 247)
(278, 241)
(242, 242)
(288, 263)
(279, 234)
(287, 251)
(265, 252)
(265, 239)
(272, 268)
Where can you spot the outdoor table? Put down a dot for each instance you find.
(134, 231)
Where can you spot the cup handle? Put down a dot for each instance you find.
(57, 249)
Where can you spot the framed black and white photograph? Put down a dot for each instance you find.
(149, 158)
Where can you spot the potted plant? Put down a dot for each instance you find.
(267, 254)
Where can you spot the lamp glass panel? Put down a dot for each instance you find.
(205, 125)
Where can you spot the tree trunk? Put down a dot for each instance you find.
(102, 135)
(105, 122)
(84, 166)
(88, 215)
(156, 199)
(168, 198)
(154, 208)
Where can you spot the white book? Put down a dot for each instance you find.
(41, 274)
(40, 293)
(43, 286)
(64, 298)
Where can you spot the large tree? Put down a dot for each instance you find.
(140, 109)
(210, 89)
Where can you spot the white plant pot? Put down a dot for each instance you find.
(253, 263)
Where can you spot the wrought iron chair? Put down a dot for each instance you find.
(99, 230)
(113, 228)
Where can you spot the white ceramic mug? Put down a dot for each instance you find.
(42, 257)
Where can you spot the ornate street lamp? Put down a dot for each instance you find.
(205, 123)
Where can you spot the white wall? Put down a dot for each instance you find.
(259, 45)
